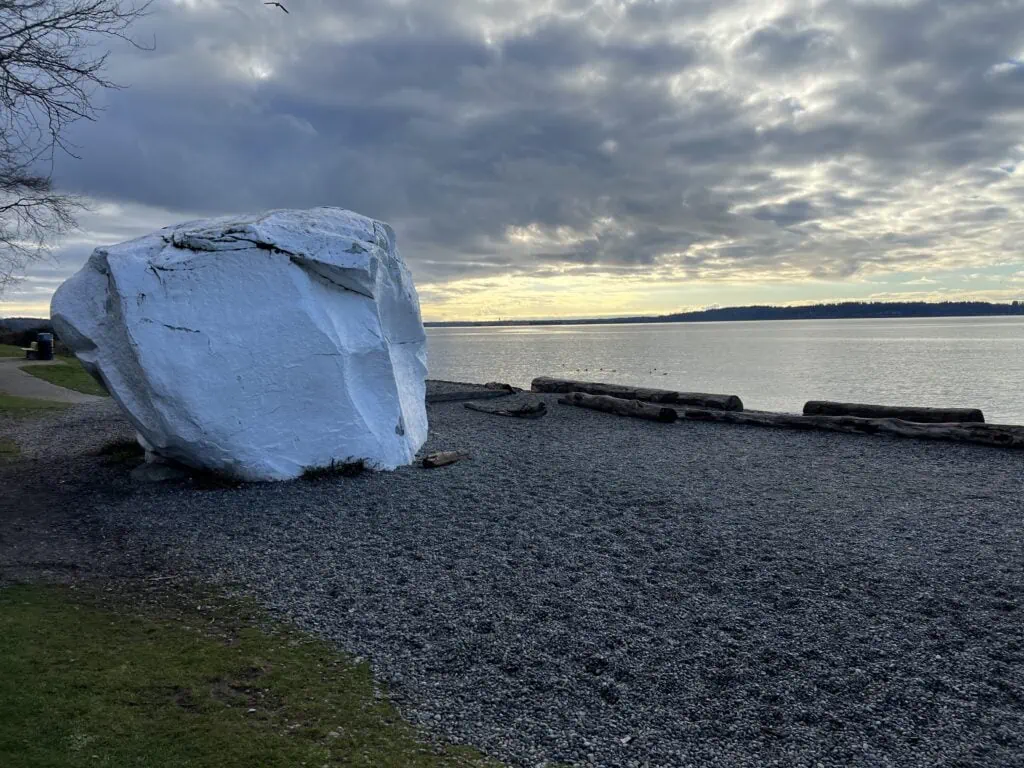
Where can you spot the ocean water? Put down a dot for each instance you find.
(774, 365)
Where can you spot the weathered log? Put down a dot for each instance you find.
(646, 394)
(1000, 435)
(918, 415)
(434, 460)
(466, 394)
(501, 386)
(620, 406)
(526, 411)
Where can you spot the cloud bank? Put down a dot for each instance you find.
(545, 156)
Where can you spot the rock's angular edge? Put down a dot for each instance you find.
(257, 346)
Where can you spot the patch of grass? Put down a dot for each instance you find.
(87, 683)
(70, 375)
(8, 450)
(9, 350)
(335, 469)
(122, 451)
(28, 406)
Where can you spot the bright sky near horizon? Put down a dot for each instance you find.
(559, 158)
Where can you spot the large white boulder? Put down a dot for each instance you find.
(257, 346)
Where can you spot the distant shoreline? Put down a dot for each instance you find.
(850, 310)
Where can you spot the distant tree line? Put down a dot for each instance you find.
(846, 310)
(22, 331)
(852, 310)
(8, 324)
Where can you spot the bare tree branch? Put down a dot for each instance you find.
(51, 65)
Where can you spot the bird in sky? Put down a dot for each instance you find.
(279, 6)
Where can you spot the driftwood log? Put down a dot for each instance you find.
(646, 394)
(526, 411)
(466, 394)
(501, 386)
(998, 435)
(918, 415)
(621, 407)
(1001, 435)
(443, 458)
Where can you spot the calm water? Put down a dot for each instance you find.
(771, 365)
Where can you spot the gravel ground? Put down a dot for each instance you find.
(49, 528)
(70, 432)
(611, 592)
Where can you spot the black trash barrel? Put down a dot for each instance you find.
(44, 343)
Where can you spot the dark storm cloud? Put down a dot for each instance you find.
(723, 138)
(785, 44)
(558, 46)
(790, 212)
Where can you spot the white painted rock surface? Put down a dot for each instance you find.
(258, 346)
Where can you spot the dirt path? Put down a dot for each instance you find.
(14, 381)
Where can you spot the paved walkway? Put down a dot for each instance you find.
(14, 381)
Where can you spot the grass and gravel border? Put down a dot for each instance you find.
(8, 450)
(26, 407)
(91, 676)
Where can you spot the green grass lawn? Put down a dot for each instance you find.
(6, 350)
(28, 406)
(70, 375)
(83, 683)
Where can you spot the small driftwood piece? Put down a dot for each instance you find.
(645, 394)
(526, 411)
(999, 435)
(502, 387)
(621, 407)
(443, 458)
(918, 415)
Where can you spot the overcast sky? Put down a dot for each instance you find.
(565, 157)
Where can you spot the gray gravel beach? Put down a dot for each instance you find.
(604, 591)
